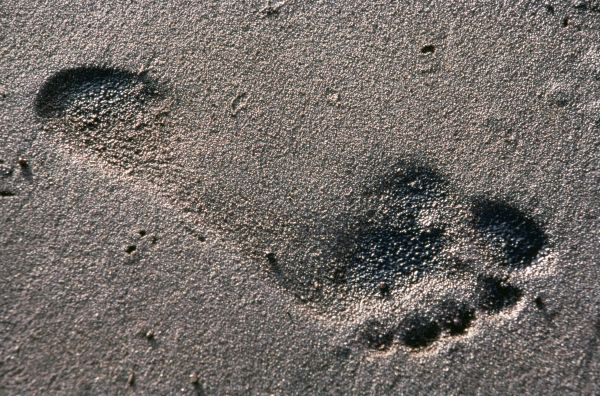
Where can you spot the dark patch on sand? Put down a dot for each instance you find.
(509, 229)
(377, 335)
(115, 112)
(420, 331)
(497, 295)
(6, 193)
(93, 95)
(388, 243)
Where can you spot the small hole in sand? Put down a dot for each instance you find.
(539, 302)
(428, 49)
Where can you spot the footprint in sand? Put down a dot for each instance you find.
(413, 249)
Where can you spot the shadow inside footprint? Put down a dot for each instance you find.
(451, 318)
(411, 232)
(113, 111)
(496, 295)
(506, 227)
(376, 335)
(92, 93)
(455, 317)
(419, 331)
(390, 242)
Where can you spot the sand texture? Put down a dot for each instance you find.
(299, 197)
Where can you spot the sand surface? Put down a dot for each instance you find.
(299, 197)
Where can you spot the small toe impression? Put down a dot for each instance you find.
(419, 331)
(496, 295)
(376, 335)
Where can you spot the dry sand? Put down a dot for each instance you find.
(299, 197)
